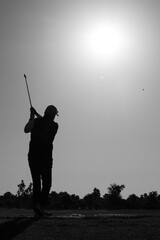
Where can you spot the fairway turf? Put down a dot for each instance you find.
(66, 225)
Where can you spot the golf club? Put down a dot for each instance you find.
(25, 77)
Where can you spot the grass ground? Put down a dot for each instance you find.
(88, 225)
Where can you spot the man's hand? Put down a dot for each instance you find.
(29, 125)
(33, 111)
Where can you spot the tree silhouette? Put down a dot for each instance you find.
(133, 201)
(114, 199)
(88, 201)
(152, 202)
(63, 200)
(21, 189)
(29, 190)
(96, 195)
(115, 190)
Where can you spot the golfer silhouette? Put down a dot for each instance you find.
(43, 131)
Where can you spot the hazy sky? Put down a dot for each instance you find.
(92, 60)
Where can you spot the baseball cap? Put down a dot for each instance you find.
(51, 110)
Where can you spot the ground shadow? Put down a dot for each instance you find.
(10, 229)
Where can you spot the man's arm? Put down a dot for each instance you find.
(29, 125)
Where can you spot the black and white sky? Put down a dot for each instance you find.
(92, 60)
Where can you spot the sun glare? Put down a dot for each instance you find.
(105, 40)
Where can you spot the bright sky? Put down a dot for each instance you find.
(92, 60)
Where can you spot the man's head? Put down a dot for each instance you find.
(51, 111)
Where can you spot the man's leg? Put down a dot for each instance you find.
(36, 177)
(46, 175)
(36, 183)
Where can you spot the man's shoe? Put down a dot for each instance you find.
(38, 210)
(48, 214)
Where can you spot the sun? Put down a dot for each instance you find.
(105, 40)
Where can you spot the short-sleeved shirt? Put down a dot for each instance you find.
(41, 143)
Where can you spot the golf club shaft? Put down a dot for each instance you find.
(28, 90)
